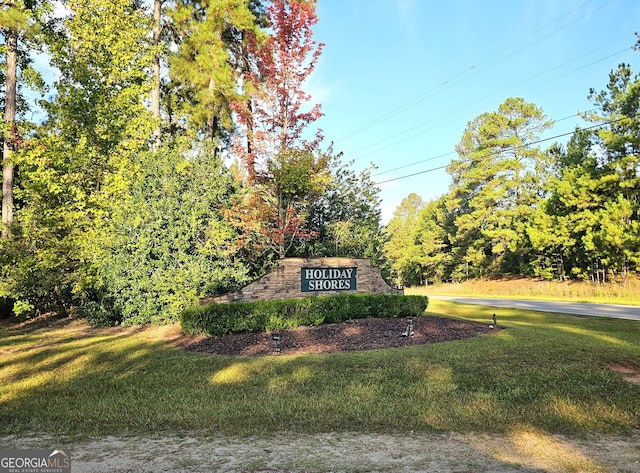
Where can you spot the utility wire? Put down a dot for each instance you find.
(414, 163)
(433, 158)
(492, 154)
(474, 69)
(367, 153)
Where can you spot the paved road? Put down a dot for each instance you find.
(577, 308)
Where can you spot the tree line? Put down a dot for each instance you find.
(514, 208)
(171, 156)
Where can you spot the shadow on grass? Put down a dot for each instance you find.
(552, 377)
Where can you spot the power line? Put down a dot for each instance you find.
(453, 152)
(475, 69)
(357, 156)
(414, 163)
(496, 154)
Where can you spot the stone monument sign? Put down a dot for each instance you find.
(301, 277)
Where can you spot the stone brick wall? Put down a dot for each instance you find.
(284, 281)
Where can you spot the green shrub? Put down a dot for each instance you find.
(156, 255)
(221, 319)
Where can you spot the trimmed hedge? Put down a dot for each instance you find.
(221, 319)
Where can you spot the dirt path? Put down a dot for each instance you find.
(344, 452)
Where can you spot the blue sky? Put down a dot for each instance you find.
(398, 80)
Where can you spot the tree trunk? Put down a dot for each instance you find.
(251, 161)
(251, 164)
(282, 224)
(212, 120)
(155, 91)
(9, 119)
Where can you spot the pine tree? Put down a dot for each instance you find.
(619, 105)
(433, 235)
(206, 33)
(496, 179)
(592, 217)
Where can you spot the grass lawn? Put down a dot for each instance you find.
(548, 372)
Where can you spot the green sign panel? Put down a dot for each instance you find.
(328, 279)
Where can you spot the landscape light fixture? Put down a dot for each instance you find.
(409, 330)
(277, 340)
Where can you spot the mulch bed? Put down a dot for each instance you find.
(355, 335)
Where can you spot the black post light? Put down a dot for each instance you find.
(409, 330)
(277, 343)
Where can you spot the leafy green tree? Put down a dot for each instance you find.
(96, 123)
(402, 246)
(346, 216)
(156, 69)
(496, 182)
(165, 244)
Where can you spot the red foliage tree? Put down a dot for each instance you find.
(277, 68)
(280, 164)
